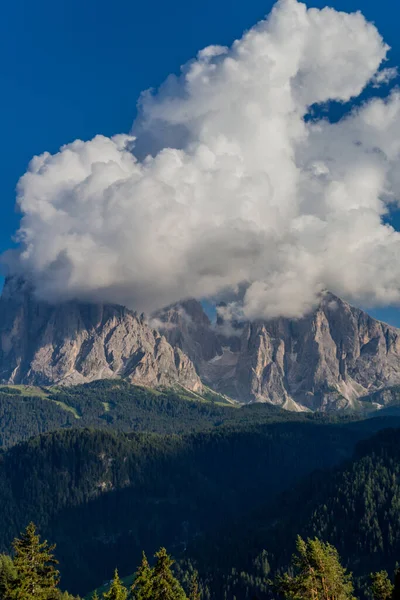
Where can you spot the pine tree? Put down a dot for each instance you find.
(141, 587)
(164, 586)
(34, 562)
(381, 586)
(95, 596)
(318, 574)
(8, 574)
(194, 593)
(117, 590)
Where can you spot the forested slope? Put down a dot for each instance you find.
(104, 497)
(118, 405)
(354, 506)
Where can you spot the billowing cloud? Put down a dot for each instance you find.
(224, 184)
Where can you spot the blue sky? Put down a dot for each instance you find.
(72, 69)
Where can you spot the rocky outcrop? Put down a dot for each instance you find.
(187, 326)
(72, 343)
(324, 361)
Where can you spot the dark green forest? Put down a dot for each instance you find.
(315, 572)
(124, 493)
(104, 496)
(354, 506)
(123, 469)
(118, 405)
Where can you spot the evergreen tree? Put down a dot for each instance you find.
(381, 586)
(318, 574)
(164, 586)
(194, 593)
(141, 587)
(117, 590)
(8, 574)
(34, 562)
(95, 596)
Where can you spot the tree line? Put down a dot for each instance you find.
(118, 405)
(315, 573)
(31, 573)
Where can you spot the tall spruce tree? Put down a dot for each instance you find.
(381, 586)
(117, 590)
(318, 574)
(36, 574)
(164, 586)
(8, 574)
(141, 587)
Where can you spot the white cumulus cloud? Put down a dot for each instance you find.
(223, 185)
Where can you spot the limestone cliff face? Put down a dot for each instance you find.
(324, 361)
(186, 325)
(75, 343)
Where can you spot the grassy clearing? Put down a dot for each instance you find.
(32, 391)
(25, 390)
(219, 399)
(208, 396)
(64, 406)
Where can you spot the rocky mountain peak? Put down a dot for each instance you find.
(330, 359)
(327, 360)
(77, 342)
(187, 326)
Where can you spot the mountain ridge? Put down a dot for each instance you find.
(335, 358)
(329, 359)
(75, 343)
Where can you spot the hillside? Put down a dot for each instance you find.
(354, 506)
(118, 405)
(103, 404)
(104, 497)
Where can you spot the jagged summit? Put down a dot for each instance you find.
(76, 342)
(327, 360)
(186, 325)
(324, 361)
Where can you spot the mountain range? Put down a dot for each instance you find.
(337, 357)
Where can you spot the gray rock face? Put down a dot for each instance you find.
(186, 325)
(324, 361)
(74, 343)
